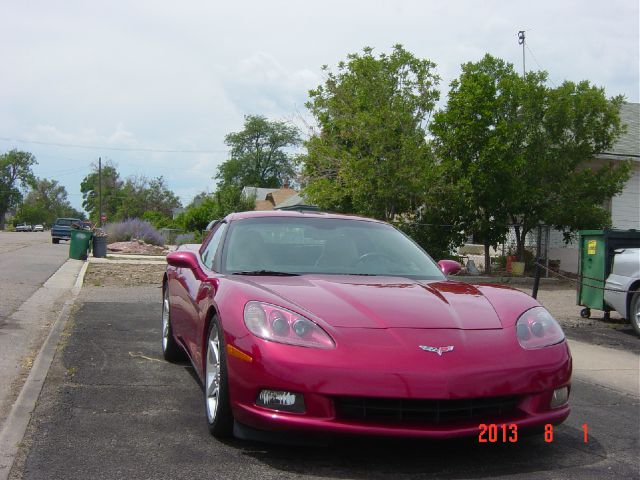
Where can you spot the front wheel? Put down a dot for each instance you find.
(216, 389)
(634, 312)
(55, 240)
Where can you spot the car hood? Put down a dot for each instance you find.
(384, 302)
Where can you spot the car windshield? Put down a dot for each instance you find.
(64, 221)
(272, 245)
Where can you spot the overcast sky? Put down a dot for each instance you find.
(166, 75)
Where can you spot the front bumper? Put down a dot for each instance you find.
(384, 364)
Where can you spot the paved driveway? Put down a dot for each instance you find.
(111, 408)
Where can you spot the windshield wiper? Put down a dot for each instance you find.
(267, 273)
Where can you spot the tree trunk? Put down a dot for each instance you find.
(487, 260)
(520, 237)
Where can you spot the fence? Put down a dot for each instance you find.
(536, 242)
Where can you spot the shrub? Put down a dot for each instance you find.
(133, 228)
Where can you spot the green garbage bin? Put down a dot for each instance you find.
(80, 244)
(597, 248)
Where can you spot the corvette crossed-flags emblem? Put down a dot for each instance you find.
(438, 350)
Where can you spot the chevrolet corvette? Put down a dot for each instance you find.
(310, 322)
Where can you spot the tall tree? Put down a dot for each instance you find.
(517, 151)
(15, 172)
(370, 155)
(140, 195)
(258, 154)
(111, 190)
(46, 201)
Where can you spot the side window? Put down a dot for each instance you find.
(209, 252)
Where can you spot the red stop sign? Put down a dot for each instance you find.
(103, 218)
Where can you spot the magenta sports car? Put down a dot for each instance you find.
(313, 322)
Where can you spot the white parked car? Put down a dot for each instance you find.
(623, 285)
(23, 227)
(38, 228)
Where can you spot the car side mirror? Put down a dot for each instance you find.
(449, 267)
(186, 259)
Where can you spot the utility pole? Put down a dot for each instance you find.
(100, 191)
(521, 42)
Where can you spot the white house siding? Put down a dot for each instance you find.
(625, 208)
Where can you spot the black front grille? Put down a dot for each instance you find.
(428, 411)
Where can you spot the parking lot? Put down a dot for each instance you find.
(112, 408)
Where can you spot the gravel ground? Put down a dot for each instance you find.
(123, 275)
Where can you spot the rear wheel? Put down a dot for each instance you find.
(634, 312)
(585, 313)
(170, 348)
(216, 389)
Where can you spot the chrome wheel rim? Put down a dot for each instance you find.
(636, 314)
(165, 321)
(212, 374)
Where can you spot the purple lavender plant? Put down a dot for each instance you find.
(133, 228)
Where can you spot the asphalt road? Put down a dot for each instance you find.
(27, 260)
(111, 408)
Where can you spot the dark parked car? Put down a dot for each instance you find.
(61, 229)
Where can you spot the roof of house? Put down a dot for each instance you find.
(291, 201)
(628, 145)
(280, 195)
(264, 205)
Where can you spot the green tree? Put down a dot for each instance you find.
(517, 151)
(15, 172)
(370, 155)
(258, 154)
(111, 190)
(140, 195)
(46, 201)
(215, 206)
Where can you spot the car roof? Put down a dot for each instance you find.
(296, 214)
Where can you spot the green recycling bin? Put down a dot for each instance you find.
(80, 244)
(597, 248)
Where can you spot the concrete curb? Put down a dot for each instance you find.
(19, 417)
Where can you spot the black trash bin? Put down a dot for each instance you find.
(100, 246)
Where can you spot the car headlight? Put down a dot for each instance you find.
(284, 326)
(536, 328)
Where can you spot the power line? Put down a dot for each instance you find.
(119, 149)
(539, 66)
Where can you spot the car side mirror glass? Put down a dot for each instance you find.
(449, 267)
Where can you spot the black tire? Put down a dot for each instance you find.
(55, 240)
(171, 351)
(634, 312)
(585, 313)
(221, 425)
